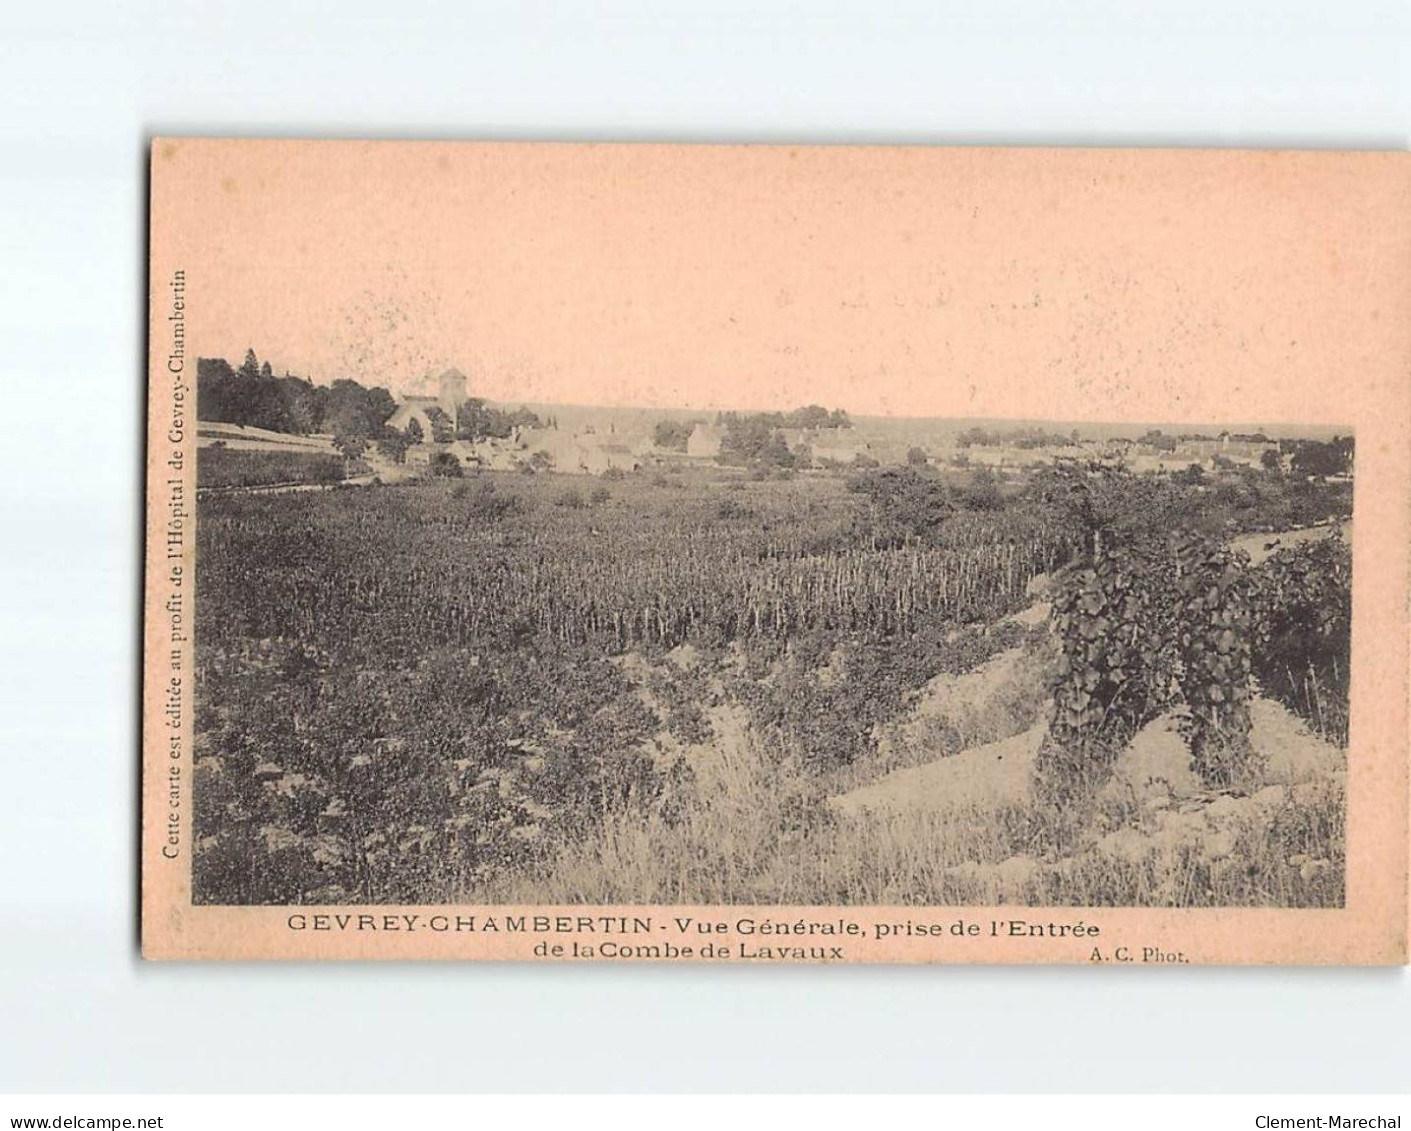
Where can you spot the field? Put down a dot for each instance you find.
(223, 467)
(708, 686)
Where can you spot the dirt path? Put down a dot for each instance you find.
(286, 488)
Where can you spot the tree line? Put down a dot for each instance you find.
(1024, 438)
(354, 414)
(809, 416)
(254, 397)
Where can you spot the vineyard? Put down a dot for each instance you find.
(227, 467)
(443, 689)
(445, 571)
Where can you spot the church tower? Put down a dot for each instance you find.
(452, 392)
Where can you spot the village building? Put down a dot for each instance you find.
(991, 455)
(610, 456)
(704, 441)
(835, 450)
(580, 453)
(451, 393)
(1237, 448)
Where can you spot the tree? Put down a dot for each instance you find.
(906, 505)
(350, 444)
(1270, 461)
(393, 445)
(672, 434)
(306, 403)
(982, 493)
(442, 430)
(378, 406)
(776, 453)
(415, 435)
(917, 457)
(252, 395)
(810, 416)
(1319, 460)
(477, 420)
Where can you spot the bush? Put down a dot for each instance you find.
(484, 501)
(1302, 610)
(445, 465)
(905, 504)
(1213, 650)
(570, 497)
(1147, 629)
(983, 492)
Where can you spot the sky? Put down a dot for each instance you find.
(1038, 284)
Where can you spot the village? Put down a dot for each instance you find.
(432, 438)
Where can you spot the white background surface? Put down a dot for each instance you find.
(83, 85)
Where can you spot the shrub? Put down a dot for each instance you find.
(905, 504)
(1301, 601)
(445, 465)
(484, 501)
(1112, 637)
(1147, 629)
(983, 492)
(1213, 650)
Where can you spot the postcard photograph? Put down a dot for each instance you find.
(547, 539)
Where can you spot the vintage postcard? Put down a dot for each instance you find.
(767, 554)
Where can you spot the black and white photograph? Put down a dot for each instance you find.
(629, 551)
(451, 650)
(603, 563)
